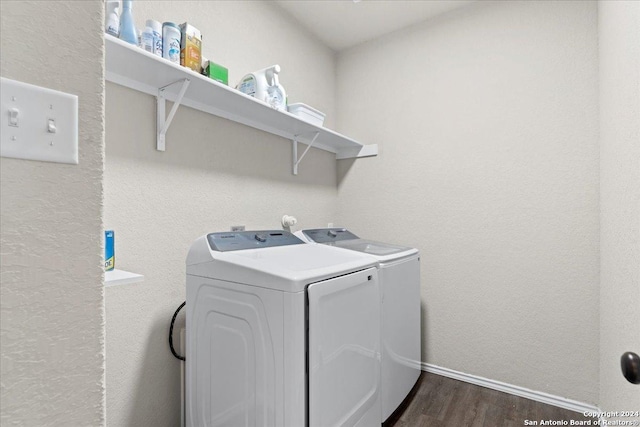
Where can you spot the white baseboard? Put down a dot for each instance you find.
(538, 396)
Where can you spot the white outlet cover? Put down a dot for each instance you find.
(47, 128)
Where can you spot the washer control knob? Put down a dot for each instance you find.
(261, 237)
(332, 233)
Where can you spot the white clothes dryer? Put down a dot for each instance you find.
(399, 274)
(280, 333)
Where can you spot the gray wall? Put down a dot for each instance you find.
(214, 174)
(619, 199)
(487, 119)
(51, 298)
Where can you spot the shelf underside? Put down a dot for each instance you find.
(134, 68)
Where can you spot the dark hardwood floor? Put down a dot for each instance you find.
(443, 402)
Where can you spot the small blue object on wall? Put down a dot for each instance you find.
(109, 250)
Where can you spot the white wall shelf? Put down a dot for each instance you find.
(137, 69)
(120, 277)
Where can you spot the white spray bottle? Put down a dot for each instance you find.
(112, 24)
(276, 95)
(264, 85)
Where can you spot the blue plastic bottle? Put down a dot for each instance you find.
(128, 30)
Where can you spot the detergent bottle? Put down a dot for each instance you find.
(264, 85)
(128, 30)
(112, 25)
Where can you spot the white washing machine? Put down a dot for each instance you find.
(399, 273)
(281, 333)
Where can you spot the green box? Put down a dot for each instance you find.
(216, 72)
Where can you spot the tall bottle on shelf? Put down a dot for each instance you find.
(112, 24)
(128, 30)
(171, 37)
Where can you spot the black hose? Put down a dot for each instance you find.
(173, 320)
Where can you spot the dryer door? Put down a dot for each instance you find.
(344, 351)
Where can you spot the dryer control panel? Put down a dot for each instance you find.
(239, 240)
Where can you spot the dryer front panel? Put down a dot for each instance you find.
(344, 351)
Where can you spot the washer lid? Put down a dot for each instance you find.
(289, 267)
(343, 238)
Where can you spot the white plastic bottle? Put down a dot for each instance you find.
(112, 26)
(148, 41)
(171, 42)
(157, 35)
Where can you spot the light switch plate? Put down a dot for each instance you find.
(38, 123)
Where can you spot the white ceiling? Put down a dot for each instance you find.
(341, 24)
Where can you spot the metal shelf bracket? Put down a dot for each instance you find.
(162, 123)
(296, 160)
